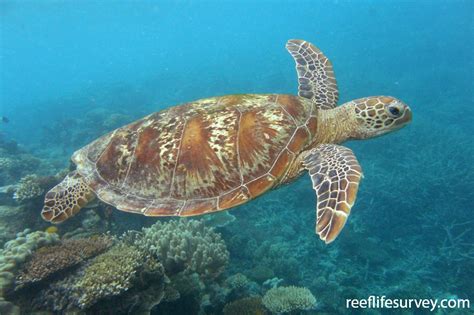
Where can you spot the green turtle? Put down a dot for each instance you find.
(217, 153)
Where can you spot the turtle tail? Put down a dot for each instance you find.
(66, 198)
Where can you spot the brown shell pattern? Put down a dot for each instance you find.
(199, 157)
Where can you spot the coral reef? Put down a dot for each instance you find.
(193, 256)
(246, 306)
(272, 283)
(31, 187)
(14, 166)
(149, 288)
(186, 245)
(57, 296)
(16, 162)
(109, 274)
(237, 281)
(17, 251)
(372, 256)
(123, 280)
(8, 308)
(288, 299)
(261, 273)
(238, 286)
(28, 188)
(178, 262)
(410, 233)
(88, 223)
(13, 219)
(47, 261)
(20, 203)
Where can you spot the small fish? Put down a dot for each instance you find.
(4, 119)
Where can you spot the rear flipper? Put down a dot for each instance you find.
(66, 199)
(336, 174)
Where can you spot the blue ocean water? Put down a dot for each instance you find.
(72, 71)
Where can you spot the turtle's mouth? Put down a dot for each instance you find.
(403, 121)
(406, 118)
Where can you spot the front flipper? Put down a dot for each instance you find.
(316, 77)
(336, 174)
(66, 198)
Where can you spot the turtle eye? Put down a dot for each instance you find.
(394, 111)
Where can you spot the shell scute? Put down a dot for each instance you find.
(234, 198)
(299, 140)
(114, 160)
(263, 134)
(293, 107)
(196, 207)
(280, 166)
(260, 185)
(164, 208)
(199, 157)
(207, 161)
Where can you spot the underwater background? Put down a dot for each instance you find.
(72, 71)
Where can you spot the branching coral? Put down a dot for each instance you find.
(237, 281)
(110, 274)
(130, 276)
(94, 288)
(188, 246)
(28, 188)
(49, 260)
(149, 288)
(288, 299)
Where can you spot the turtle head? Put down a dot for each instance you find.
(66, 198)
(378, 115)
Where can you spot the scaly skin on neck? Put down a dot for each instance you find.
(363, 118)
(336, 125)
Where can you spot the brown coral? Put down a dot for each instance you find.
(246, 306)
(124, 273)
(110, 274)
(46, 261)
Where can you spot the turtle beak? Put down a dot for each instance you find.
(407, 116)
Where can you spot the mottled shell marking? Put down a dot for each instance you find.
(203, 156)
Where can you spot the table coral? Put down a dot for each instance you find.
(186, 245)
(288, 299)
(49, 260)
